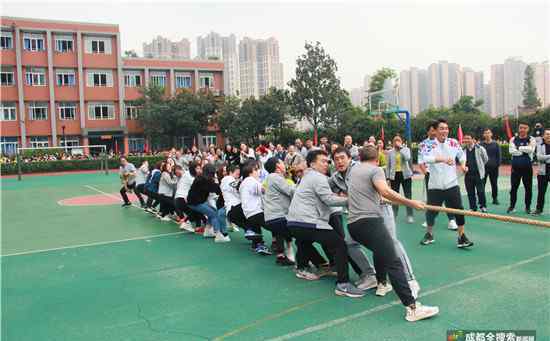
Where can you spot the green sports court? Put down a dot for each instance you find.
(82, 271)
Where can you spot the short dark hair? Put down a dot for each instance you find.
(248, 168)
(178, 167)
(368, 153)
(340, 150)
(312, 156)
(271, 164)
(232, 167)
(489, 129)
(525, 123)
(209, 171)
(441, 120)
(432, 124)
(192, 168)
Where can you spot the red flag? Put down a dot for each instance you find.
(460, 135)
(145, 146)
(382, 135)
(116, 146)
(507, 128)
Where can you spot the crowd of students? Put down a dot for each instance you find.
(300, 195)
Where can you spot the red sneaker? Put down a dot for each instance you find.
(199, 230)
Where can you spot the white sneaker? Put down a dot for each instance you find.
(424, 224)
(421, 312)
(366, 283)
(410, 220)
(209, 233)
(220, 238)
(234, 228)
(415, 288)
(382, 289)
(307, 275)
(166, 218)
(185, 226)
(452, 225)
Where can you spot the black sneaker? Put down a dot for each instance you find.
(527, 211)
(510, 210)
(495, 202)
(428, 239)
(463, 242)
(126, 204)
(536, 212)
(483, 209)
(284, 261)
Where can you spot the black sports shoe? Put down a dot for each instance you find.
(126, 204)
(495, 202)
(527, 211)
(463, 242)
(536, 212)
(510, 210)
(284, 261)
(428, 239)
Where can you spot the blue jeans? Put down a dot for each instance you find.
(216, 218)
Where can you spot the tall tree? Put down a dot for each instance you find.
(467, 104)
(530, 98)
(315, 89)
(377, 84)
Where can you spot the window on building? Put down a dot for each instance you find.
(158, 79)
(69, 141)
(8, 111)
(39, 141)
(132, 79)
(6, 77)
(6, 40)
(67, 110)
(206, 81)
(33, 42)
(136, 144)
(38, 111)
(132, 111)
(64, 43)
(100, 78)
(8, 145)
(209, 139)
(97, 45)
(101, 111)
(65, 78)
(183, 81)
(35, 76)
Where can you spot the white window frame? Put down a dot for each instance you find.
(183, 77)
(8, 147)
(39, 141)
(202, 82)
(91, 78)
(131, 110)
(6, 40)
(156, 77)
(35, 76)
(9, 110)
(130, 78)
(69, 141)
(90, 41)
(134, 142)
(34, 106)
(66, 110)
(107, 111)
(209, 140)
(68, 40)
(36, 42)
(7, 73)
(66, 76)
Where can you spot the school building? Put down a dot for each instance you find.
(66, 83)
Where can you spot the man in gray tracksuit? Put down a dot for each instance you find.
(308, 222)
(338, 183)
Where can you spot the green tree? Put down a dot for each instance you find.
(130, 54)
(530, 98)
(377, 84)
(467, 104)
(316, 89)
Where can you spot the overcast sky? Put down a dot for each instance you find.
(361, 36)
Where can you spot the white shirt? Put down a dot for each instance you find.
(251, 196)
(443, 176)
(230, 193)
(184, 185)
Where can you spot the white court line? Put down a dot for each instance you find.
(97, 243)
(382, 307)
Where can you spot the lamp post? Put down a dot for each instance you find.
(64, 140)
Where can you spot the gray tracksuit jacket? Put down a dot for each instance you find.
(543, 158)
(481, 158)
(167, 184)
(310, 206)
(277, 197)
(406, 163)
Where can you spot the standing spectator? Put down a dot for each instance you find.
(491, 168)
(476, 158)
(539, 132)
(353, 150)
(522, 148)
(300, 148)
(381, 154)
(293, 157)
(280, 152)
(543, 155)
(246, 154)
(399, 172)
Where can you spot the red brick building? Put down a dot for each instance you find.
(66, 83)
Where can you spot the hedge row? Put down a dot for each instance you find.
(71, 165)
